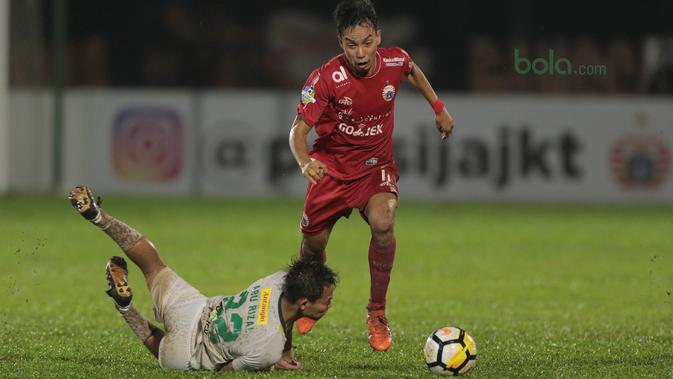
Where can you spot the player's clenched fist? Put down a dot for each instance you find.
(287, 362)
(314, 170)
(444, 123)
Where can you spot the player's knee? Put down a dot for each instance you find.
(382, 221)
(152, 272)
(154, 340)
(382, 218)
(382, 229)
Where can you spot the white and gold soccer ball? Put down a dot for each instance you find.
(450, 351)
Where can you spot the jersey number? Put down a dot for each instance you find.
(220, 327)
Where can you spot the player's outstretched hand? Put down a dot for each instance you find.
(287, 362)
(314, 170)
(444, 123)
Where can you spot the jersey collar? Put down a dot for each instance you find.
(376, 69)
(280, 314)
(378, 66)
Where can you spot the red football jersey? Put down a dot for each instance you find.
(353, 116)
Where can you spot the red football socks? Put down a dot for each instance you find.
(380, 265)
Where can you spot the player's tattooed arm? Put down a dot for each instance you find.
(443, 120)
(312, 169)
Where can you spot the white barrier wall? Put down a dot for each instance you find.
(30, 136)
(540, 149)
(503, 147)
(238, 136)
(4, 95)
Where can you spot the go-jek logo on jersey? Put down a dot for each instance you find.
(362, 130)
(388, 92)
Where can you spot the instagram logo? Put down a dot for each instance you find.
(147, 144)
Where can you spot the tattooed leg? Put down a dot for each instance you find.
(125, 236)
(137, 248)
(143, 329)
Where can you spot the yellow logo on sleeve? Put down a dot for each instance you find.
(263, 313)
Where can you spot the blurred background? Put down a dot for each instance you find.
(555, 102)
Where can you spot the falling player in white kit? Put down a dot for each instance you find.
(251, 330)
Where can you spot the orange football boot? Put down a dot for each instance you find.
(380, 337)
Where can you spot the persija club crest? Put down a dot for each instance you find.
(640, 161)
(388, 92)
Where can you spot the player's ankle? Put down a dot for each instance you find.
(98, 218)
(123, 309)
(376, 308)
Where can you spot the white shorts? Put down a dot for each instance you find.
(179, 306)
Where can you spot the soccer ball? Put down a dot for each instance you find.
(450, 351)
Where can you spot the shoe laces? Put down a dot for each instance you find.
(379, 323)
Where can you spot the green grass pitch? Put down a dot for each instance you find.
(546, 290)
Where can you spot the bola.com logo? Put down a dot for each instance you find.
(552, 65)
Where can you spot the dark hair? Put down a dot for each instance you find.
(307, 279)
(350, 13)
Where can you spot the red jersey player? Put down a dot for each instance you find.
(349, 101)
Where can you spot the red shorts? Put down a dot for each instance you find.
(332, 199)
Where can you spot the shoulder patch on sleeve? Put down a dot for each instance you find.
(308, 93)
